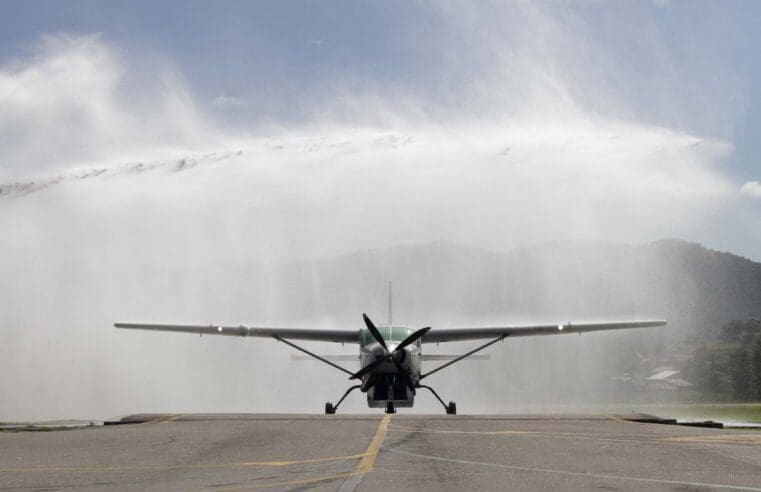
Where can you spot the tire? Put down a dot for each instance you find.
(390, 408)
(329, 409)
(452, 408)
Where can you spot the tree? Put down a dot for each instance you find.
(755, 371)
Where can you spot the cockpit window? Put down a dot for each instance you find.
(389, 333)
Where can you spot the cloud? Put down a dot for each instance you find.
(751, 188)
(73, 100)
(433, 173)
(579, 179)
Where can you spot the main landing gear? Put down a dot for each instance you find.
(451, 409)
(330, 409)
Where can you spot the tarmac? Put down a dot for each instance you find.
(380, 452)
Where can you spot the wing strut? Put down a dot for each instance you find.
(300, 349)
(477, 349)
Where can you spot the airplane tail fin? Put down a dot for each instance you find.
(390, 311)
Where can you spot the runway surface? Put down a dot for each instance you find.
(380, 452)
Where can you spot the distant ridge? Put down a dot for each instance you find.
(695, 288)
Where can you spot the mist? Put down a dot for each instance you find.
(125, 200)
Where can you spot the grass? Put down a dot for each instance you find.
(728, 412)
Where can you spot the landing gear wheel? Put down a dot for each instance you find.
(390, 408)
(452, 408)
(329, 409)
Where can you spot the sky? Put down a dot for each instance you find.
(85, 84)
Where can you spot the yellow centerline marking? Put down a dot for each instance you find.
(367, 462)
(402, 428)
(738, 439)
(304, 481)
(720, 439)
(180, 467)
(365, 465)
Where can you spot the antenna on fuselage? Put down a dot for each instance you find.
(390, 312)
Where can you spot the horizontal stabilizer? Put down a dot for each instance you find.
(452, 357)
(334, 358)
(349, 358)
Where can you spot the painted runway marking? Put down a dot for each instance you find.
(633, 438)
(366, 464)
(576, 474)
(371, 453)
(305, 481)
(353, 478)
(721, 439)
(242, 464)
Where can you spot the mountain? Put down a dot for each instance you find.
(449, 285)
(695, 288)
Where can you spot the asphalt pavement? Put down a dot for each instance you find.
(381, 452)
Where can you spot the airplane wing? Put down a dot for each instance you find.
(460, 334)
(320, 335)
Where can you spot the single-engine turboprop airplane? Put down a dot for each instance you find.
(391, 356)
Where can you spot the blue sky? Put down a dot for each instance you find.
(689, 67)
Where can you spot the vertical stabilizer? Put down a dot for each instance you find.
(390, 312)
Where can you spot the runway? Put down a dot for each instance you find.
(378, 452)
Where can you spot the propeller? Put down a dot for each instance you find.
(374, 331)
(390, 355)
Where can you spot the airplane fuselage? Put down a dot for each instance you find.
(383, 384)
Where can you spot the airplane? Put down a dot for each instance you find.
(391, 356)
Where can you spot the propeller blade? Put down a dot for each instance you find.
(368, 368)
(404, 376)
(374, 331)
(412, 338)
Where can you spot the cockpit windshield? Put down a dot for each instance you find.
(389, 334)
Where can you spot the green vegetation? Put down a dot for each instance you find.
(726, 364)
(721, 412)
